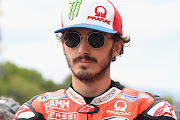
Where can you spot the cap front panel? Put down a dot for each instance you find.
(92, 12)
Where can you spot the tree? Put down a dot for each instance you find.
(22, 84)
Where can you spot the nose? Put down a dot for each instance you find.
(83, 48)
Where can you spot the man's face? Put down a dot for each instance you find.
(87, 63)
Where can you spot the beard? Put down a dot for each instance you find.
(86, 76)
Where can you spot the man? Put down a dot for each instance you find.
(8, 108)
(92, 37)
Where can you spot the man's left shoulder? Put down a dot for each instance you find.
(152, 106)
(160, 109)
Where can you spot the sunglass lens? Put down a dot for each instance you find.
(96, 40)
(71, 39)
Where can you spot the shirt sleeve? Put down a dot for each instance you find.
(27, 112)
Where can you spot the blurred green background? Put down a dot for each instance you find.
(22, 84)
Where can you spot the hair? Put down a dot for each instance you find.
(117, 37)
(125, 39)
(8, 108)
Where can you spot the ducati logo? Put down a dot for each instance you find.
(120, 105)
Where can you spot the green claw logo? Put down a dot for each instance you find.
(74, 7)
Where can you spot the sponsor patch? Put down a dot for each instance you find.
(100, 15)
(24, 112)
(86, 109)
(162, 109)
(131, 98)
(89, 109)
(75, 96)
(106, 97)
(120, 105)
(75, 6)
(119, 108)
(118, 112)
(58, 104)
(46, 97)
(62, 115)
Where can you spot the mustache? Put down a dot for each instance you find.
(86, 57)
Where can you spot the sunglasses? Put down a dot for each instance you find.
(95, 39)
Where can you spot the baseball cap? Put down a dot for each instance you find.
(98, 15)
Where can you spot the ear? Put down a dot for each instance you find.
(63, 47)
(117, 48)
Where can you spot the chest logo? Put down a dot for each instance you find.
(90, 109)
(56, 115)
(120, 105)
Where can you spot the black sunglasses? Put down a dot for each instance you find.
(95, 39)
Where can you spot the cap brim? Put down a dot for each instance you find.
(88, 26)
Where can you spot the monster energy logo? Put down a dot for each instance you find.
(74, 5)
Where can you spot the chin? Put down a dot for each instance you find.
(84, 76)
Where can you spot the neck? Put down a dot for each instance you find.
(94, 88)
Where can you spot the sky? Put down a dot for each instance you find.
(150, 62)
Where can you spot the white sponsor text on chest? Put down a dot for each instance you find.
(61, 104)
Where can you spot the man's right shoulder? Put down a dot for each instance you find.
(33, 109)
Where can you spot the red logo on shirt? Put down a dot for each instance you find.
(164, 110)
(100, 15)
(86, 109)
